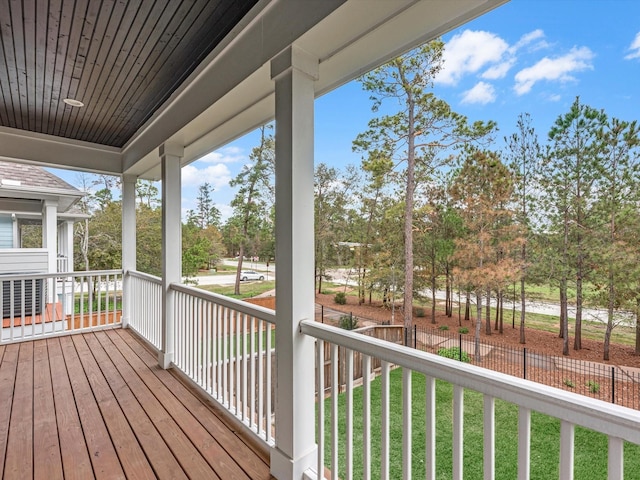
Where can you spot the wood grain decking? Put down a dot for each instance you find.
(97, 406)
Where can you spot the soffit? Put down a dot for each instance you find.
(122, 59)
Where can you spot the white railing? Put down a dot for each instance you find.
(43, 305)
(63, 264)
(145, 306)
(227, 348)
(619, 424)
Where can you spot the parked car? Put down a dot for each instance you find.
(246, 275)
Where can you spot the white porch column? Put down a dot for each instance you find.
(68, 244)
(294, 72)
(50, 233)
(50, 242)
(128, 242)
(170, 156)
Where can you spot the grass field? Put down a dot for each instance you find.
(247, 289)
(590, 447)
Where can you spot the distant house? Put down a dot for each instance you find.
(31, 196)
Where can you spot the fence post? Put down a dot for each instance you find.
(460, 346)
(524, 362)
(322, 313)
(406, 336)
(415, 337)
(613, 384)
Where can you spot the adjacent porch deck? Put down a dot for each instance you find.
(97, 405)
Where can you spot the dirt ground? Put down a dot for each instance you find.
(538, 341)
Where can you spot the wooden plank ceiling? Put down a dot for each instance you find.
(122, 59)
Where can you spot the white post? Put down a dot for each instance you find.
(294, 72)
(170, 156)
(68, 240)
(50, 242)
(128, 243)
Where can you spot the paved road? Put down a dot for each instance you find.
(230, 278)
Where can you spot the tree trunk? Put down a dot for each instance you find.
(408, 218)
(433, 289)
(609, 329)
(501, 329)
(564, 315)
(487, 313)
(478, 325)
(449, 293)
(638, 326)
(497, 317)
(577, 334)
(523, 304)
(236, 289)
(467, 307)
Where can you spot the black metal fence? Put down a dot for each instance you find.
(611, 383)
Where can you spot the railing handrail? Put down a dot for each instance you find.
(81, 273)
(613, 420)
(257, 311)
(144, 276)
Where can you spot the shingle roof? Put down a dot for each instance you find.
(32, 176)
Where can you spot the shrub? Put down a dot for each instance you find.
(569, 383)
(463, 330)
(594, 387)
(340, 298)
(348, 322)
(454, 353)
(420, 312)
(443, 327)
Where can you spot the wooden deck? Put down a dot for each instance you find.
(97, 406)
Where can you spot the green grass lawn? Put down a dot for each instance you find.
(590, 447)
(247, 289)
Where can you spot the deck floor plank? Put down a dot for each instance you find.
(207, 445)
(47, 461)
(76, 463)
(19, 458)
(159, 455)
(101, 449)
(251, 461)
(96, 405)
(132, 458)
(179, 443)
(8, 367)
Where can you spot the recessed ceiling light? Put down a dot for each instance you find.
(73, 102)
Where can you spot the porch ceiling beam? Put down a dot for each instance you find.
(28, 147)
(278, 25)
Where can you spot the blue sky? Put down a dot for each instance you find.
(530, 56)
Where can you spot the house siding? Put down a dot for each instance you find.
(24, 260)
(6, 231)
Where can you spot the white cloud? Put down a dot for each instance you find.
(499, 70)
(554, 97)
(224, 155)
(635, 48)
(554, 69)
(469, 52)
(481, 93)
(528, 39)
(217, 175)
